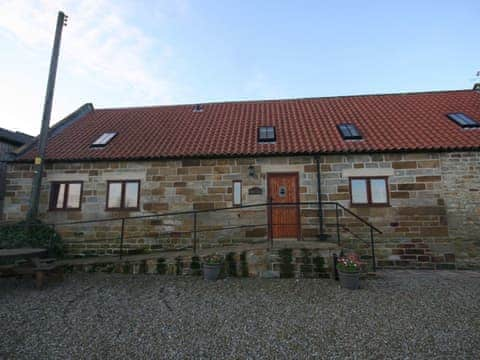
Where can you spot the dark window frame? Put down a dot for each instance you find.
(233, 193)
(348, 134)
(198, 108)
(454, 117)
(369, 202)
(122, 196)
(52, 205)
(269, 139)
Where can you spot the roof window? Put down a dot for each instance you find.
(266, 134)
(198, 108)
(104, 139)
(349, 132)
(463, 120)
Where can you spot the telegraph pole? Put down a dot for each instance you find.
(47, 111)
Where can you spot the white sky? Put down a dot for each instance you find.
(102, 57)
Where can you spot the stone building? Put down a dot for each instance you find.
(409, 164)
(10, 141)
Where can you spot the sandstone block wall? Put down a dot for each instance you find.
(434, 199)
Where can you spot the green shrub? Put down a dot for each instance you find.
(243, 264)
(161, 266)
(231, 264)
(286, 267)
(195, 266)
(32, 234)
(319, 263)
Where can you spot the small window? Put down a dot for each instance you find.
(266, 134)
(369, 191)
(104, 139)
(463, 120)
(237, 193)
(123, 195)
(198, 108)
(66, 195)
(349, 132)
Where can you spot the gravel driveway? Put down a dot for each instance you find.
(401, 314)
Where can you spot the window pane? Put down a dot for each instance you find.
(345, 131)
(237, 193)
(359, 191)
(270, 133)
(104, 139)
(379, 190)
(353, 131)
(73, 200)
(131, 194)
(60, 196)
(263, 133)
(266, 133)
(114, 195)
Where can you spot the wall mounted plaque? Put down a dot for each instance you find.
(255, 191)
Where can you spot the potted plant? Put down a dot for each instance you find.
(212, 265)
(349, 272)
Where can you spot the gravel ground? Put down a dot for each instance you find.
(401, 314)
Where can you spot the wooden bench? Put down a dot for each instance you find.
(30, 263)
(40, 272)
(39, 268)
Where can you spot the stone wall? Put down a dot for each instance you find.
(461, 194)
(434, 201)
(5, 148)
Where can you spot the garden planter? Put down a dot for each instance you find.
(349, 280)
(212, 271)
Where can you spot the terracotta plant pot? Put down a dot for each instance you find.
(211, 271)
(349, 280)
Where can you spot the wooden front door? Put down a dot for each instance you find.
(285, 219)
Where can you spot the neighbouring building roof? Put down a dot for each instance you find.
(389, 122)
(14, 137)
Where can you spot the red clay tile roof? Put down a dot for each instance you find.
(391, 122)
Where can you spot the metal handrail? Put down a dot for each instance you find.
(188, 212)
(195, 231)
(359, 218)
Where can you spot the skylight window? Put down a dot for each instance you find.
(198, 108)
(266, 134)
(463, 120)
(104, 139)
(349, 132)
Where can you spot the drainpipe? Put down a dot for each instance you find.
(322, 235)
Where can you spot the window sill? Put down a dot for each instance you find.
(67, 209)
(369, 205)
(122, 209)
